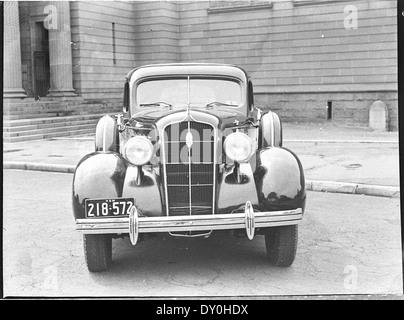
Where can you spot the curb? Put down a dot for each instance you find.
(320, 186)
(342, 141)
(34, 166)
(353, 188)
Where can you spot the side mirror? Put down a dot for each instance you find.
(126, 97)
(250, 96)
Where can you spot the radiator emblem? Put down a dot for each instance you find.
(189, 139)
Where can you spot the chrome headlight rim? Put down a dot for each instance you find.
(249, 143)
(133, 141)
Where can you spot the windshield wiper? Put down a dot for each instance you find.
(156, 104)
(217, 103)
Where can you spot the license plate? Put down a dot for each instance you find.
(99, 208)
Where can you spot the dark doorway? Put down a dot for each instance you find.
(329, 110)
(41, 61)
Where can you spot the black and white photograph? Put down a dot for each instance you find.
(201, 150)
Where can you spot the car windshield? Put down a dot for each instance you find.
(202, 92)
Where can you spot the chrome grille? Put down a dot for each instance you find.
(189, 172)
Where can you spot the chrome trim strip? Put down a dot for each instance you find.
(272, 130)
(205, 235)
(189, 223)
(163, 161)
(133, 225)
(192, 163)
(188, 94)
(192, 206)
(184, 185)
(189, 164)
(104, 137)
(249, 222)
(215, 144)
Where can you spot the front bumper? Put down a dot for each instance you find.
(135, 224)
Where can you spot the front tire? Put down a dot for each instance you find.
(97, 251)
(281, 245)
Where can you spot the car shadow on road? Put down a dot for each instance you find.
(176, 263)
(220, 247)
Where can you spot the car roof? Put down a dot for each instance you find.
(188, 69)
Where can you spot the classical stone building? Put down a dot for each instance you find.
(65, 62)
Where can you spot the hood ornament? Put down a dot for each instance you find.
(189, 139)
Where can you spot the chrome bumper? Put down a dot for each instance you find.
(134, 224)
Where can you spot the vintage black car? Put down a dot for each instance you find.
(190, 154)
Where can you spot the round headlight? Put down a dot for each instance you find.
(138, 150)
(238, 146)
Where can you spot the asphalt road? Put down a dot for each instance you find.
(348, 244)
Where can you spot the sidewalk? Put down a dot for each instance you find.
(334, 158)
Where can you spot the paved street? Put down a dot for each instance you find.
(350, 154)
(348, 244)
(367, 163)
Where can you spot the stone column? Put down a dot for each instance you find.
(60, 52)
(12, 86)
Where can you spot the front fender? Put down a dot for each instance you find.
(279, 180)
(233, 194)
(101, 175)
(98, 175)
(144, 185)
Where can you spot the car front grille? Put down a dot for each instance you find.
(189, 172)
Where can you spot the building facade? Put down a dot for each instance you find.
(309, 60)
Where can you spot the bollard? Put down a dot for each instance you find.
(378, 116)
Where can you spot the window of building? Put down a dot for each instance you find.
(113, 44)
(316, 2)
(222, 6)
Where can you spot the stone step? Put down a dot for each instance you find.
(75, 101)
(44, 128)
(60, 109)
(75, 133)
(43, 120)
(40, 119)
(73, 107)
(34, 115)
(49, 125)
(56, 114)
(44, 131)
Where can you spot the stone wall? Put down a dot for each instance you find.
(300, 55)
(297, 48)
(348, 108)
(157, 32)
(103, 47)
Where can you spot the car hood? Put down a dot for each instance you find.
(223, 115)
